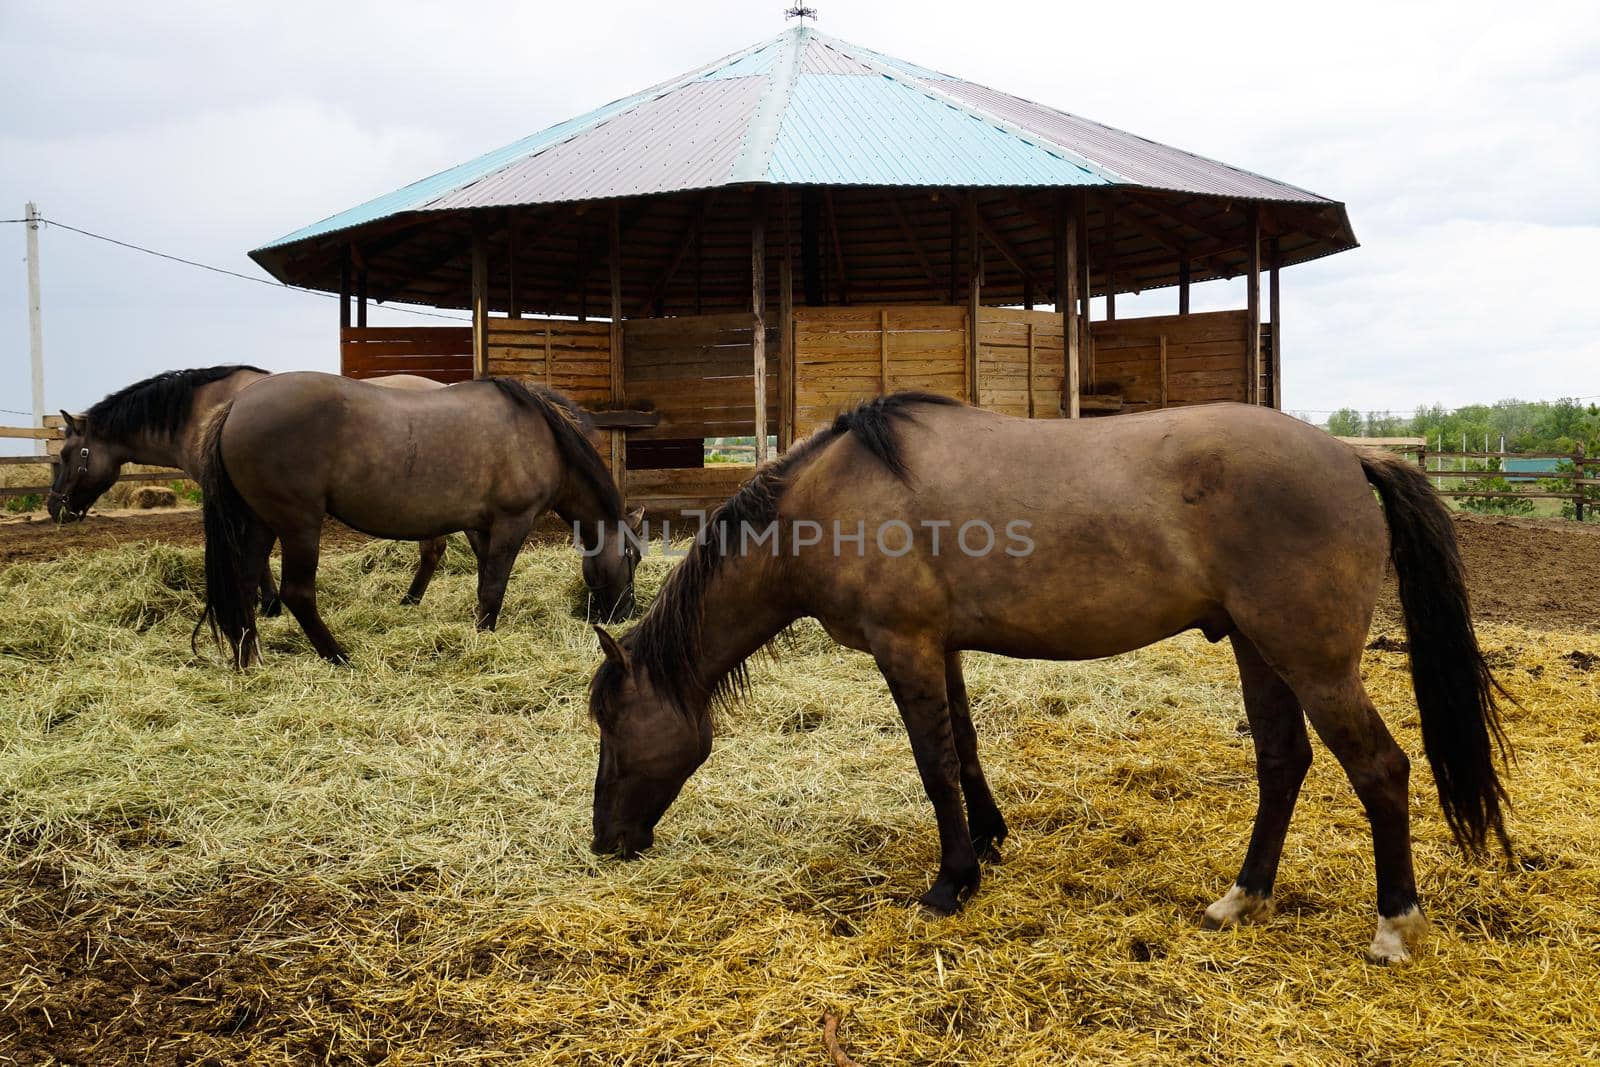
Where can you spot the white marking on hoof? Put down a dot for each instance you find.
(1397, 936)
(1237, 908)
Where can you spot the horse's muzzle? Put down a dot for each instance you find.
(623, 844)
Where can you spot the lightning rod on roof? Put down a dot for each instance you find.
(801, 12)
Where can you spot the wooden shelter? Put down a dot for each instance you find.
(747, 249)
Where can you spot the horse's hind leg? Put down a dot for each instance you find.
(430, 553)
(1343, 716)
(914, 669)
(301, 550)
(271, 606)
(1283, 754)
(983, 815)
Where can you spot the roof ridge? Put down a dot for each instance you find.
(761, 135)
(872, 59)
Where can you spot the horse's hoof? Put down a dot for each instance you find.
(271, 609)
(987, 846)
(409, 601)
(1237, 907)
(1397, 936)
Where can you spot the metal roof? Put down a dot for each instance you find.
(807, 109)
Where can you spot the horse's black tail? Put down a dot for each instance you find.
(231, 526)
(1455, 691)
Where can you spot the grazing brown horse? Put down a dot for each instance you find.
(964, 529)
(159, 421)
(487, 457)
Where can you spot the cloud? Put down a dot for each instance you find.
(1462, 140)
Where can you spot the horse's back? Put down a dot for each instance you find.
(394, 462)
(1131, 527)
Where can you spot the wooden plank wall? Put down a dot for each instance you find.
(443, 353)
(1010, 341)
(698, 372)
(570, 357)
(845, 355)
(1172, 360)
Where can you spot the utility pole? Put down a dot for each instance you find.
(35, 324)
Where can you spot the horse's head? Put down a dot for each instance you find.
(88, 466)
(608, 568)
(649, 746)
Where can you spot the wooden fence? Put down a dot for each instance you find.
(443, 353)
(1575, 485)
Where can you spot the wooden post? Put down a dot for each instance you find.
(1579, 465)
(1085, 297)
(786, 360)
(974, 295)
(1030, 370)
(513, 297)
(480, 301)
(1275, 309)
(619, 449)
(1183, 285)
(1253, 306)
(583, 274)
(344, 291)
(1111, 261)
(1162, 341)
(758, 326)
(36, 324)
(883, 350)
(361, 298)
(1067, 300)
(955, 255)
(700, 261)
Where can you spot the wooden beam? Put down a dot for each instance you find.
(480, 301)
(838, 249)
(1007, 250)
(619, 453)
(1274, 309)
(955, 254)
(1085, 295)
(1253, 306)
(974, 295)
(1162, 341)
(513, 297)
(687, 238)
(1183, 286)
(361, 298)
(1211, 226)
(1110, 263)
(786, 360)
(758, 305)
(1067, 300)
(912, 240)
(344, 291)
(816, 293)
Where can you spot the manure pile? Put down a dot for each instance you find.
(313, 864)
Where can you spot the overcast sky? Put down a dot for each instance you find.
(1464, 137)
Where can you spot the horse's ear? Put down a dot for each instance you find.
(611, 647)
(72, 424)
(636, 519)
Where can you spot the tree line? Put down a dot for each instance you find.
(1526, 425)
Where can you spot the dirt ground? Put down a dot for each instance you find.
(1542, 573)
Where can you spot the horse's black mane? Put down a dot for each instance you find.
(667, 642)
(159, 404)
(571, 426)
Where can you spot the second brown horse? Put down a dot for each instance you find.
(486, 457)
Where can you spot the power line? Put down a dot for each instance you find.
(221, 270)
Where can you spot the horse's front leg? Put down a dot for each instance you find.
(914, 666)
(983, 814)
(497, 555)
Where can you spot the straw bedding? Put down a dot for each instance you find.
(389, 863)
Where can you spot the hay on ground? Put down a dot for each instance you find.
(307, 863)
